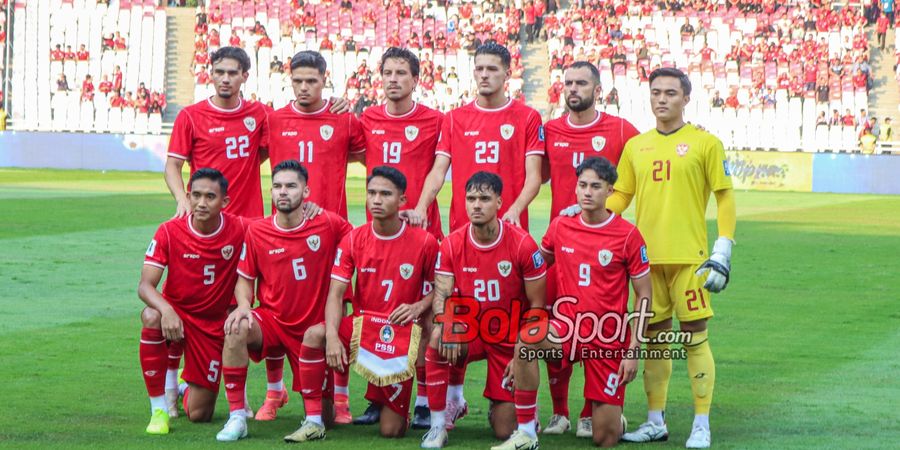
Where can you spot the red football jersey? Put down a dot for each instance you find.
(390, 270)
(292, 267)
(593, 264)
(202, 269)
(228, 141)
(406, 143)
(493, 140)
(568, 145)
(493, 274)
(322, 141)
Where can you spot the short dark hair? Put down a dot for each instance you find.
(404, 54)
(236, 53)
(485, 181)
(393, 175)
(601, 166)
(674, 73)
(214, 175)
(595, 74)
(493, 48)
(309, 58)
(294, 166)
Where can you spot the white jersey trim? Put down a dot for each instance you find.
(492, 244)
(598, 225)
(401, 116)
(389, 238)
(481, 108)
(320, 111)
(206, 236)
(287, 230)
(233, 110)
(587, 125)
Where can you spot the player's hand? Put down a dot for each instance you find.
(171, 325)
(512, 216)
(183, 208)
(335, 355)
(311, 210)
(718, 267)
(628, 370)
(339, 105)
(405, 313)
(233, 322)
(414, 218)
(509, 377)
(570, 211)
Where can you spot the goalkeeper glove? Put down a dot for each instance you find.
(718, 266)
(570, 211)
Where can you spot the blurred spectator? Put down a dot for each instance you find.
(105, 85)
(3, 116)
(881, 27)
(887, 132)
(848, 120)
(717, 101)
(57, 54)
(82, 54)
(62, 84)
(821, 119)
(87, 89)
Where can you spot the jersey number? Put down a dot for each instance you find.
(209, 276)
(692, 297)
(240, 144)
(299, 269)
(662, 170)
(391, 152)
(489, 287)
(390, 287)
(612, 384)
(487, 152)
(306, 151)
(213, 376)
(577, 159)
(584, 275)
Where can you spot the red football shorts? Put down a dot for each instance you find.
(203, 342)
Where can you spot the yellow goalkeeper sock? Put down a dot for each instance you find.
(656, 376)
(702, 370)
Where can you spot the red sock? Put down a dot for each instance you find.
(587, 410)
(274, 369)
(185, 403)
(458, 375)
(153, 360)
(312, 377)
(341, 379)
(421, 386)
(235, 387)
(526, 405)
(176, 350)
(559, 387)
(437, 374)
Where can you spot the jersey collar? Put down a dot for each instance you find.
(389, 238)
(488, 246)
(401, 116)
(481, 108)
(606, 222)
(233, 110)
(320, 111)
(587, 125)
(190, 220)
(287, 230)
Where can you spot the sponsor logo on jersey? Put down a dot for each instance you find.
(567, 249)
(505, 267)
(561, 144)
(470, 269)
(250, 123)
(150, 373)
(313, 242)
(411, 133)
(598, 142)
(507, 130)
(682, 149)
(537, 259)
(378, 132)
(227, 252)
(190, 256)
(152, 248)
(468, 133)
(406, 271)
(288, 133)
(727, 169)
(216, 130)
(276, 251)
(386, 334)
(605, 256)
(366, 269)
(644, 258)
(326, 131)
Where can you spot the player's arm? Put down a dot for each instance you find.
(359, 157)
(334, 350)
(175, 183)
(529, 190)
(443, 289)
(408, 312)
(718, 266)
(536, 291)
(243, 294)
(433, 184)
(148, 292)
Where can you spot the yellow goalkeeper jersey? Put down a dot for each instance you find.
(671, 177)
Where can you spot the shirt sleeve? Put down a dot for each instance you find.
(718, 174)
(531, 262)
(548, 242)
(264, 132)
(534, 135)
(182, 140)
(357, 136)
(247, 267)
(157, 254)
(626, 182)
(343, 261)
(444, 137)
(428, 263)
(444, 262)
(637, 264)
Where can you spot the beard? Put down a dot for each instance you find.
(583, 104)
(289, 208)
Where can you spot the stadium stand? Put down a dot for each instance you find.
(84, 65)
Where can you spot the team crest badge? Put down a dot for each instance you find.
(506, 130)
(681, 149)
(406, 271)
(386, 334)
(605, 256)
(227, 252)
(313, 242)
(326, 131)
(411, 133)
(505, 267)
(250, 123)
(598, 142)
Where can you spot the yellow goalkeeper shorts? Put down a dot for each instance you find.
(676, 287)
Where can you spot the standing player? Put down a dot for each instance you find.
(288, 257)
(670, 172)
(394, 265)
(583, 132)
(595, 253)
(496, 264)
(200, 252)
(403, 134)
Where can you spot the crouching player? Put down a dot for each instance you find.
(595, 254)
(394, 265)
(200, 251)
(288, 258)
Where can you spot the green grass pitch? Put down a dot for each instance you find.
(805, 338)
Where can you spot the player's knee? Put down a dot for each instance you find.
(150, 318)
(392, 431)
(314, 336)
(606, 437)
(235, 341)
(200, 414)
